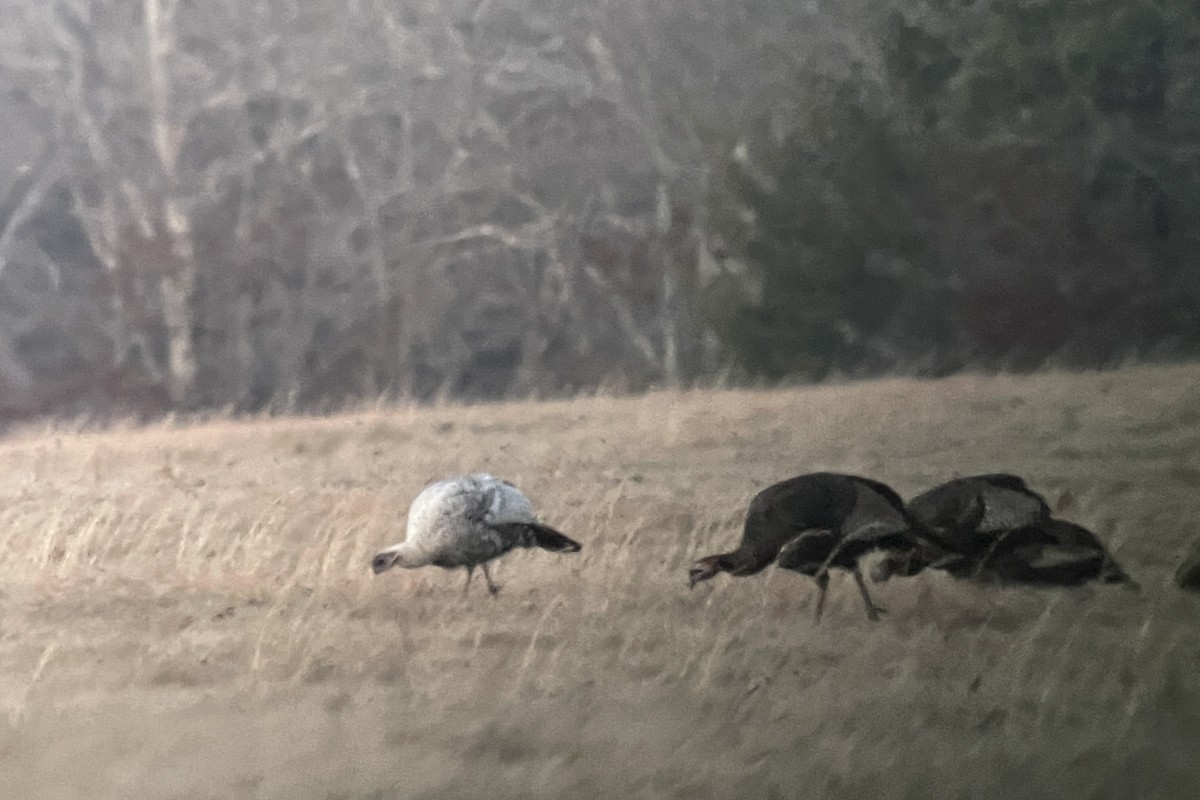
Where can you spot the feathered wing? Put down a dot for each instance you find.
(964, 516)
(951, 507)
(492, 500)
(885, 492)
(1005, 509)
(810, 552)
(877, 513)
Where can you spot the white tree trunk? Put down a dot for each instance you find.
(178, 283)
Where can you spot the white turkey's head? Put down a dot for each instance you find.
(399, 555)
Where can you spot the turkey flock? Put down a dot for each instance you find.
(985, 528)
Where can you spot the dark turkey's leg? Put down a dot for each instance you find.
(493, 588)
(467, 585)
(823, 586)
(873, 611)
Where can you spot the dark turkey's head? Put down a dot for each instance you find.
(899, 565)
(703, 569)
(885, 568)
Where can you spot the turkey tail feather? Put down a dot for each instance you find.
(547, 538)
(534, 534)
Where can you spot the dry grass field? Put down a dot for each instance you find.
(188, 612)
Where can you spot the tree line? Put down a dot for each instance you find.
(292, 205)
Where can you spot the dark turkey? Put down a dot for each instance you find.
(813, 523)
(995, 528)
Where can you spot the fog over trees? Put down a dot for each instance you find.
(291, 204)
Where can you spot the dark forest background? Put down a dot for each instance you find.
(294, 204)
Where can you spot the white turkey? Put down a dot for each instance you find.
(466, 521)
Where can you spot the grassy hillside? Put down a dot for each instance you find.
(188, 612)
